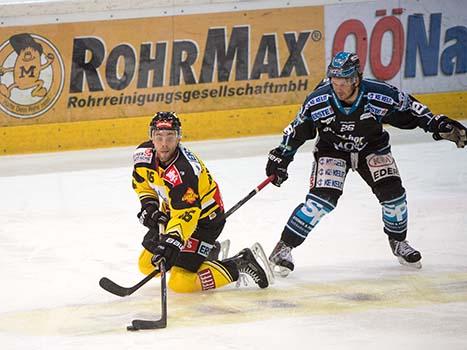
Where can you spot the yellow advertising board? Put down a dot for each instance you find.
(89, 71)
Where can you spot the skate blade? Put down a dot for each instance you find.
(225, 247)
(258, 252)
(416, 265)
(242, 281)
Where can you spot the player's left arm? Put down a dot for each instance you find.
(185, 209)
(411, 113)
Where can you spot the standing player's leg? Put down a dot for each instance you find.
(326, 186)
(380, 172)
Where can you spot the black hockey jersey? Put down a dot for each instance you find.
(357, 127)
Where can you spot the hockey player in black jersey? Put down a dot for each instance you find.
(347, 113)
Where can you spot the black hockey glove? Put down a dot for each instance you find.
(151, 240)
(277, 165)
(168, 249)
(451, 130)
(150, 216)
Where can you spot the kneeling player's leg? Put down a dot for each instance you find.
(150, 242)
(192, 271)
(144, 263)
(210, 275)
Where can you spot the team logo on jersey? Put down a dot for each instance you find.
(172, 176)
(190, 196)
(31, 75)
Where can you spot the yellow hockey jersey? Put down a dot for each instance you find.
(184, 188)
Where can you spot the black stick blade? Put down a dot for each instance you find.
(136, 325)
(116, 289)
(113, 287)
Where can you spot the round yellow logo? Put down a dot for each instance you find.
(31, 75)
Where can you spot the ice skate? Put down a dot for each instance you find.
(405, 253)
(281, 259)
(247, 264)
(260, 256)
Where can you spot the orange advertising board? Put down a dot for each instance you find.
(192, 63)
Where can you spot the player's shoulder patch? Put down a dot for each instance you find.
(143, 154)
(318, 99)
(192, 160)
(380, 88)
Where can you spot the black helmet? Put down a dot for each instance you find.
(344, 65)
(165, 121)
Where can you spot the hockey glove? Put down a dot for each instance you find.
(451, 130)
(169, 248)
(150, 216)
(277, 165)
(151, 240)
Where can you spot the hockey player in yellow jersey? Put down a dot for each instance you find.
(177, 192)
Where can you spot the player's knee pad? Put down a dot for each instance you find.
(304, 218)
(182, 281)
(395, 217)
(209, 276)
(388, 188)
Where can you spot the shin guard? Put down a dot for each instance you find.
(395, 217)
(304, 218)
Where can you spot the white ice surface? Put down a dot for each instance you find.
(67, 219)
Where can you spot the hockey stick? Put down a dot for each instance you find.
(112, 287)
(121, 291)
(249, 196)
(162, 322)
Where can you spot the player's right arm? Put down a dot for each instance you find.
(301, 129)
(143, 170)
(143, 174)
